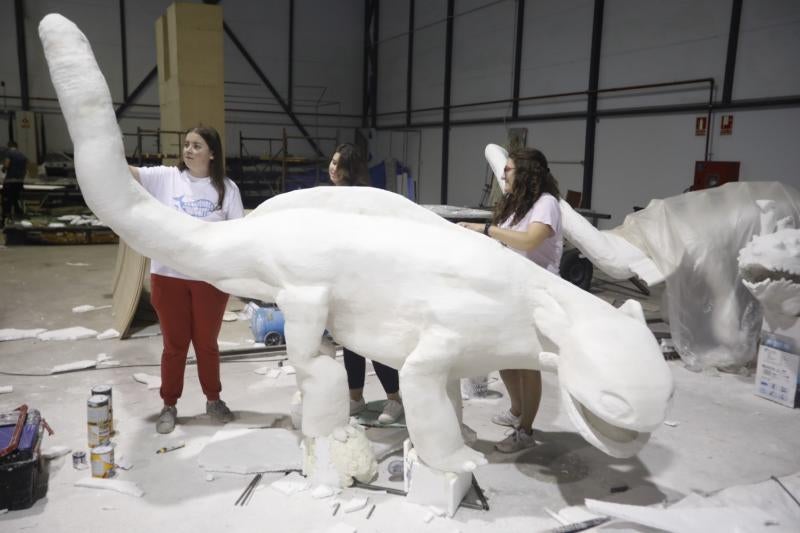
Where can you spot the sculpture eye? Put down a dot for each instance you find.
(615, 405)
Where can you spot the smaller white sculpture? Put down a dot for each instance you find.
(770, 264)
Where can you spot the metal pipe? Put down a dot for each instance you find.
(124, 42)
(22, 56)
(448, 67)
(730, 58)
(410, 60)
(291, 52)
(591, 104)
(518, 55)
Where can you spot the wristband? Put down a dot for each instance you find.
(486, 228)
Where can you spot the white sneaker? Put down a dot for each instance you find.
(506, 418)
(392, 411)
(516, 441)
(356, 406)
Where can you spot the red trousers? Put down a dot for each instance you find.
(189, 311)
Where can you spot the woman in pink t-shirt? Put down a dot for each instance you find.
(527, 220)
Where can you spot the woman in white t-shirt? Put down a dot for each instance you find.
(527, 220)
(190, 310)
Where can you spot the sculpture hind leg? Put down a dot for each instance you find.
(432, 421)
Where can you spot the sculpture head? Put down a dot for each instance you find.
(770, 269)
(615, 384)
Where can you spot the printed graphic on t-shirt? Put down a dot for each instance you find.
(197, 208)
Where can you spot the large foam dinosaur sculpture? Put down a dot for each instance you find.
(386, 278)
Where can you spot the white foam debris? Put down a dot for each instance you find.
(229, 316)
(125, 487)
(273, 373)
(110, 333)
(67, 334)
(291, 484)
(671, 423)
(428, 517)
(78, 264)
(210, 476)
(75, 365)
(12, 334)
(5, 389)
(26, 223)
(261, 370)
(102, 357)
(56, 225)
(87, 308)
(288, 370)
(438, 511)
(355, 504)
(323, 491)
(152, 382)
(53, 452)
(107, 364)
(123, 462)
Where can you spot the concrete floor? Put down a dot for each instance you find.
(721, 433)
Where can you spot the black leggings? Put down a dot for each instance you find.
(356, 367)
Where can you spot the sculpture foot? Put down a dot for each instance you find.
(464, 459)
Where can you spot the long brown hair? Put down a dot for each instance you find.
(352, 165)
(217, 165)
(532, 178)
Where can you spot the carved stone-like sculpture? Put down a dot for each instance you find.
(386, 278)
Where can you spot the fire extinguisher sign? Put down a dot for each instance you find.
(726, 125)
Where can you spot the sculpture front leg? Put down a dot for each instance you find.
(431, 417)
(335, 451)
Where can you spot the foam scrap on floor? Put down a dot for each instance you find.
(117, 485)
(67, 334)
(12, 334)
(110, 333)
(75, 365)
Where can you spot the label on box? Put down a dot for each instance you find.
(778, 375)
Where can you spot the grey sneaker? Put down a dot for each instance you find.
(516, 441)
(219, 411)
(356, 406)
(167, 419)
(506, 418)
(392, 411)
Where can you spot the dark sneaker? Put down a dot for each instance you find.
(167, 419)
(219, 411)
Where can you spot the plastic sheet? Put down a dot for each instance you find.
(694, 240)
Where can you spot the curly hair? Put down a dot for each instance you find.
(352, 165)
(532, 178)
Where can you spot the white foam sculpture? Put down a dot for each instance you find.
(691, 242)
(388, 279)
(770, 266)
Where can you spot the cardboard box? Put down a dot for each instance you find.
(778, 375)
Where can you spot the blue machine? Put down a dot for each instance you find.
(267, 325)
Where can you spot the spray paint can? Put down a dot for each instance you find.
(103, 461)
(98, 420)
(105, 390)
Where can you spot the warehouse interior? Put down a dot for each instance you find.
(638, 106)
